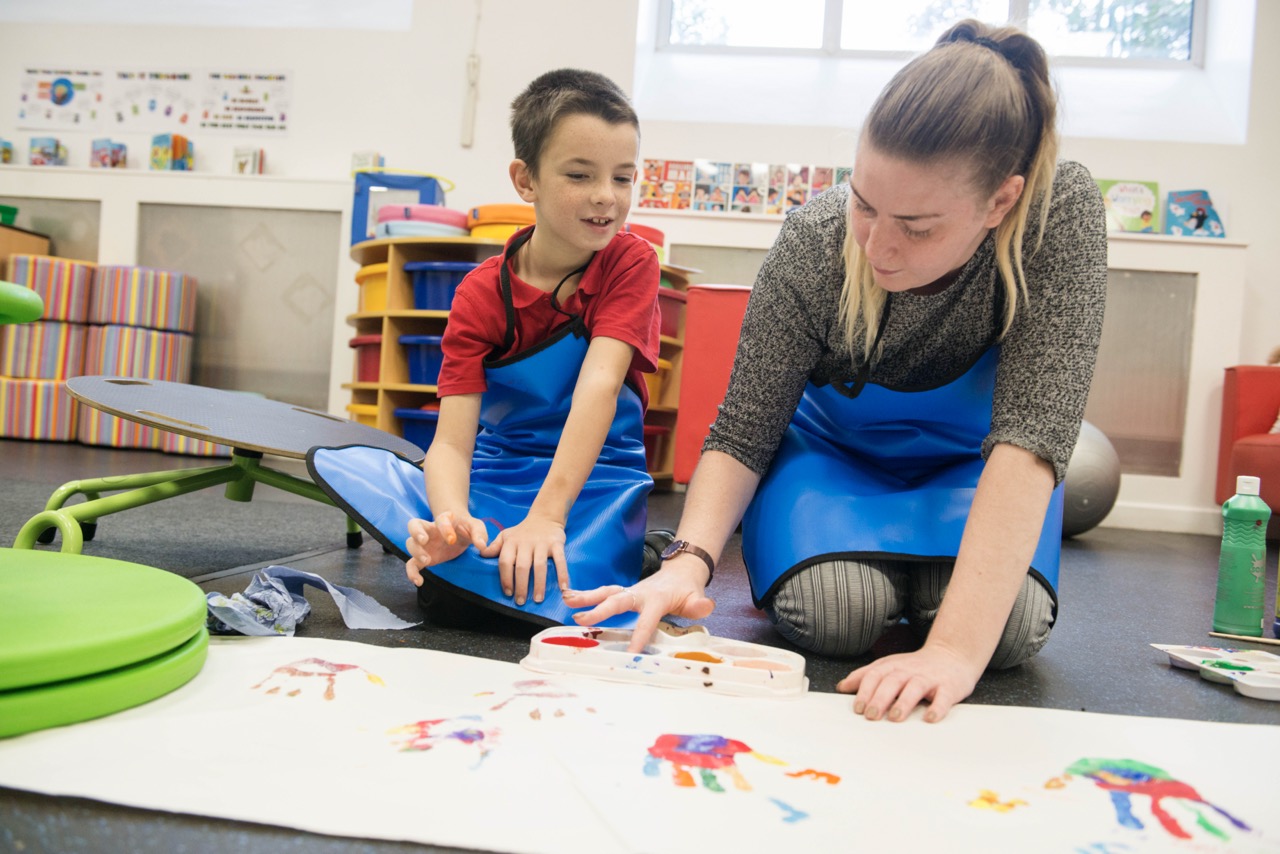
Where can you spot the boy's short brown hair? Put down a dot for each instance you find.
(561, 93)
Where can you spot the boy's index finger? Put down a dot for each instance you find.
(445, 524)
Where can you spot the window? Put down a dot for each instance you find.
(1149, 31)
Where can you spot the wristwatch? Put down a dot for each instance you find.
(679, 546)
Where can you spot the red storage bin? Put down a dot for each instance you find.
(712, 323)
(672, 305)
(655, 435)
(368, 354)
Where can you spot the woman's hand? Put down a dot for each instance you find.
(891, 687)
(433, 543)
(528, 546)
(678, 588)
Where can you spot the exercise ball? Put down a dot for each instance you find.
(1092, 482)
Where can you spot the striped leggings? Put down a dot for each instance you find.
(841, 607)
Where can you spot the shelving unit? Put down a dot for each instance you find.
(662, 410)
(393, 389)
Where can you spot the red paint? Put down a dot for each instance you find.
(572, 641)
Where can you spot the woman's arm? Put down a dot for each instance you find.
(540, 536)
(719, 492)
(999, 540)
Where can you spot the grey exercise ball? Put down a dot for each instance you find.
(1092, 482)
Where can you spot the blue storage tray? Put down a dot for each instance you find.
(419, 425)
(425, 357)
(434, 282)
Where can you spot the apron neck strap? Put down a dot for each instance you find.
(508, 303)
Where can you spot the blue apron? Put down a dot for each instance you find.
(875, 473)
(522, 416)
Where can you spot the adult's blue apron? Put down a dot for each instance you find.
(522, 416)
(874, 473)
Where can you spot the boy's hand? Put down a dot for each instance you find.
(432, 543)
(674, 589)
(529, 545)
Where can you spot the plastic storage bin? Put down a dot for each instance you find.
(434, 282)
(424, 357)
(671, 303)
(364, 413)
(368, 353)
(655, 437)
(419, 425)
(499, 222)
(372, 279)
(656, 380)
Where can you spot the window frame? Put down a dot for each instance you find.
(1018, 13)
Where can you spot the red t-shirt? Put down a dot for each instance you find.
(617, 297)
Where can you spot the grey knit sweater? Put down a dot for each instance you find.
(791, 334)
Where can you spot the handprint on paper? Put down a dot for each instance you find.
(466, 730)
(292, 675)
(1124, 779)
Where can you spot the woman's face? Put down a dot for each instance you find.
(915, 223)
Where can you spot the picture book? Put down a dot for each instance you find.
(1132, 206)
(1190, 213)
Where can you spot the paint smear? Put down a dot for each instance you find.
(989, 800)
(789, 813)
(584, 643)
(823, 776)
(1227, 665)
(762, 664)
(699, 656)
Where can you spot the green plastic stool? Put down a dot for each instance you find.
(82, 637)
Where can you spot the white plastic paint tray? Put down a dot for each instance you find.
(677, 657)
(1252, 672)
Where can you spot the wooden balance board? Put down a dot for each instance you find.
(82, 637)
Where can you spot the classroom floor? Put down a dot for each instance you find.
(1121, 590)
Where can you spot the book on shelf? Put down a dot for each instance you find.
(1132, 206)
(1190, 213)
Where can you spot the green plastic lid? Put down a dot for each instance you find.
(64, 616)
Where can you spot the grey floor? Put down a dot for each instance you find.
(1120, 591)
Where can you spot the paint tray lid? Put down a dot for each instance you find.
(678, 657)
(1251, 672)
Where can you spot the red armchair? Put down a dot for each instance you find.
(1250, 404)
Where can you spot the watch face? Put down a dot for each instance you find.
(674, 549)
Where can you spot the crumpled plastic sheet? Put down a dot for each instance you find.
(273, 604)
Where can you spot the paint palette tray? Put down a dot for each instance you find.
(677, 657)
(1253, 673)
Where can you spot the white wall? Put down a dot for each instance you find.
(402, 93)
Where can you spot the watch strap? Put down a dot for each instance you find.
(685, 546)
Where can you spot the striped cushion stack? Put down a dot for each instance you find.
(36, 359)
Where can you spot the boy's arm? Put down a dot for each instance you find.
(447, 470)
(540, 536)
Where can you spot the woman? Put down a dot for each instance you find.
(908, 389)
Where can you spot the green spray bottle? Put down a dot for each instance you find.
(1242, 563)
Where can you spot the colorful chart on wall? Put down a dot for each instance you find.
(256, 101)
(60, 99)
(442, 743)
(152, 100)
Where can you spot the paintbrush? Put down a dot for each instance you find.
(1272, 641)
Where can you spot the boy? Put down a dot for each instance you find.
(540, 342)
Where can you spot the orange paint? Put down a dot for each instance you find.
(829, 779)
(698, 656)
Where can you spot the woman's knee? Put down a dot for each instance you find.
(1028, 628)
(838, 608)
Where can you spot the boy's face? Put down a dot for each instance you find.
(582, 193)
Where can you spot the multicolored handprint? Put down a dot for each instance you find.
(465, 730)
(1125, 778)
(713, 755)
(287, 675)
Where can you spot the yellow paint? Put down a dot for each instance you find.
(989, 800)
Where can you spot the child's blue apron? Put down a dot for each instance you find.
(875, 473)
(522, 416)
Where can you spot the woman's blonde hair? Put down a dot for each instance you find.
(981, 96)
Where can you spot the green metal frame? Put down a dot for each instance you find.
(243, 473)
